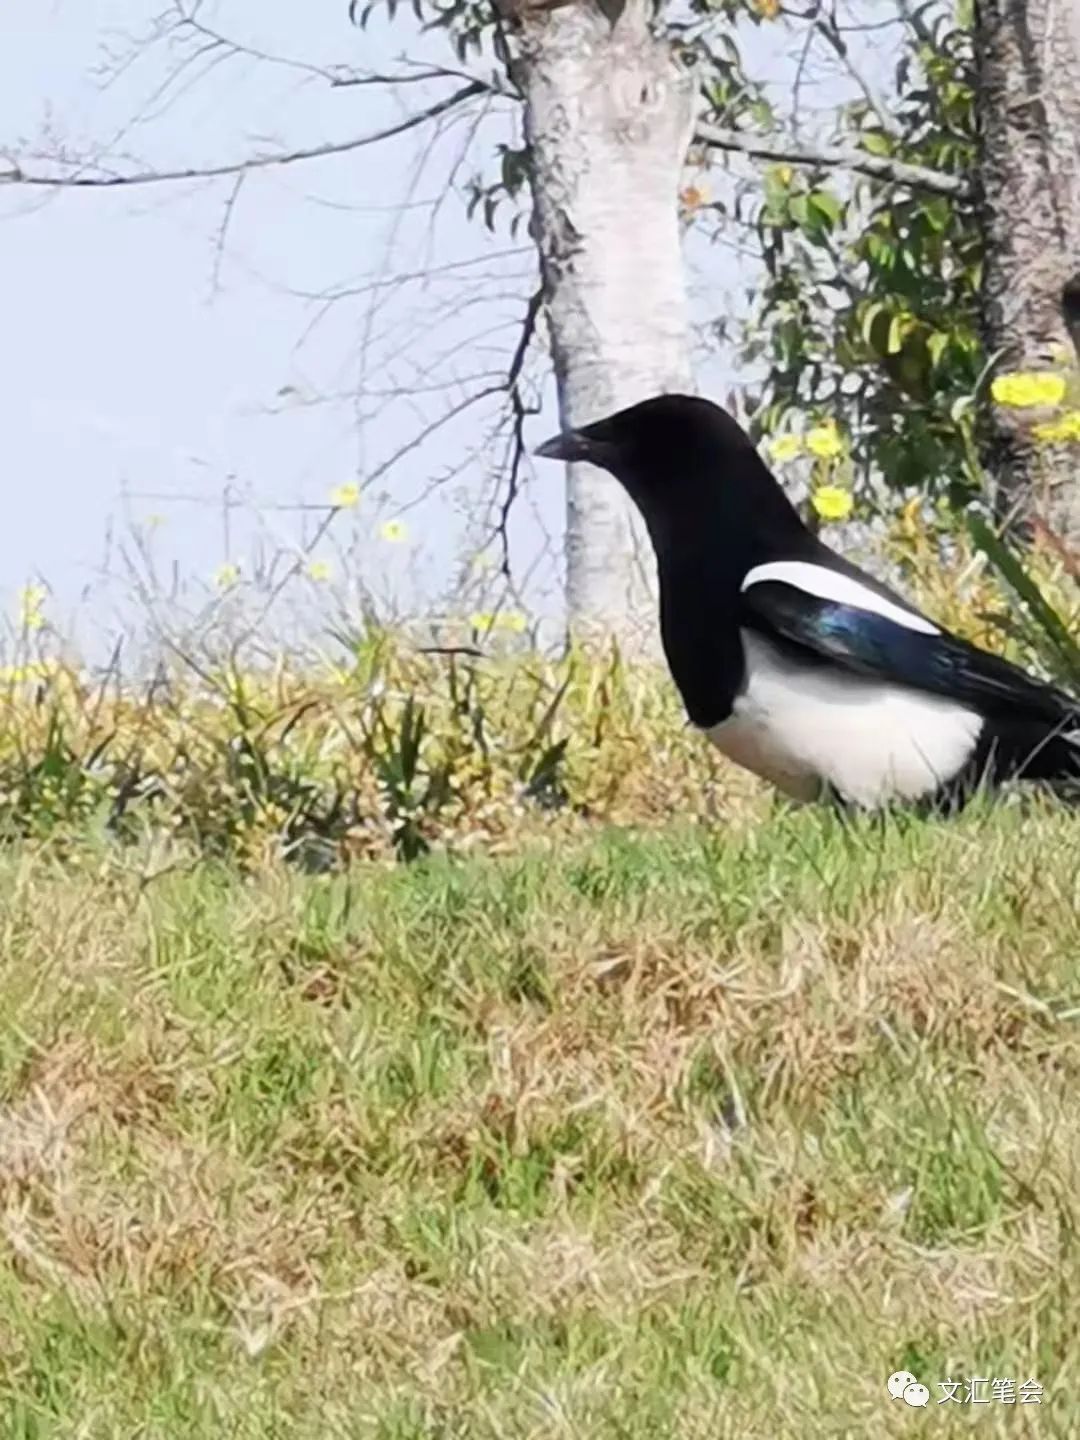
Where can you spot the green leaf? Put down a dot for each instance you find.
(879, 251)
(870, 314)
(827, 205)
(1027, 591)
(513, 169)
(937, 344)
(898, 328)
(876, 142)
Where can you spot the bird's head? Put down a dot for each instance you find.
(685, 462)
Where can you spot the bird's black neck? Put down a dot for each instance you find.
(708, 531)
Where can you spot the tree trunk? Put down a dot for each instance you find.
(609, 114)
(1028, 89)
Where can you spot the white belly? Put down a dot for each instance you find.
(798, 726)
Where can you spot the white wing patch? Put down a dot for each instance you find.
(800, 725)
(842, 589)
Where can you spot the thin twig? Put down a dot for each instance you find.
(833, 157)
(18, 176)
(223, 232)
(830, 32)
(914, 17)
(469, 650)
(519, 409)
(800, 69)
(335, 75)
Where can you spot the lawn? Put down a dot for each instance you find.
(695, 1132)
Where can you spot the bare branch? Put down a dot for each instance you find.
(18, 176)
(914, 17)
(337, 76)
(800, 69)
(833, 157)
(829, 30)
(493, 83)
(520, 410)
(469, 650)
(223, 231)
(426, 433)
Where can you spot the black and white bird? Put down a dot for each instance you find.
(795, 663)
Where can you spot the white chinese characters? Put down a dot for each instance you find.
(978, 1390)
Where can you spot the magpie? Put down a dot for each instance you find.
(795, 663)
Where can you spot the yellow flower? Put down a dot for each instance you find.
(512, 620)
(1022, 390)
(481, 620)
(824, 441)
(320, 570)
(1064, 431)
(226, 576)
(345, 497)
(31, 599)
(23, 674)
(832, 503)
(785, 447)
(394, 531)
(767, 9)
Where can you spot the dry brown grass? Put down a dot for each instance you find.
(696, 1134)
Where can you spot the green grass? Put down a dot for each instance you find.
(692, 1134)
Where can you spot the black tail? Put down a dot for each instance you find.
(1031, 750)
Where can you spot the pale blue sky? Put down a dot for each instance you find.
(137, 359)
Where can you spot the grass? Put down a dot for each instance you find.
(699, 1132)
(635, 1107)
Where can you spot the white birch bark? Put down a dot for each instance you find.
(608, 117)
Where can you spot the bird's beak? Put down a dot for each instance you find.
(571, 445)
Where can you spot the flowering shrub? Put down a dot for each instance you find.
(824, 444)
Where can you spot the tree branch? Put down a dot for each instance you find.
(18, 176)
(338, 76)
(833, 157)
(520, 410)
(914, 17)
(830, 32)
